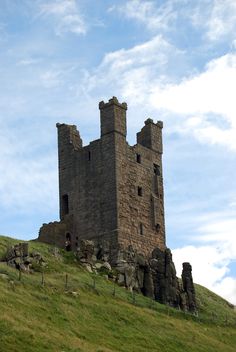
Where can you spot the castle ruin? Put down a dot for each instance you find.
(110, 192)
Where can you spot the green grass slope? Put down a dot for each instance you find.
(87, 315)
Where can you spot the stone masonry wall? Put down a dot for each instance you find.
(141, 195)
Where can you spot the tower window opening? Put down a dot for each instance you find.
(157, 170)
(140, 191)
(141, 229)
(138, 158)
(158, 227)
(65, 204)
(89, 156)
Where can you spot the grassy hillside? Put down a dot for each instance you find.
(87, 316)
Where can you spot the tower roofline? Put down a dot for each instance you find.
(112, 101)
(150, 121)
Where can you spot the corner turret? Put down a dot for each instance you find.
(113, 117)
(150, 136)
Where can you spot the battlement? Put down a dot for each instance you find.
(112, 101)
(150, 121)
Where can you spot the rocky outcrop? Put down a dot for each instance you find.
(154, 277)
(189, 302)
(94, 259)
(18, 257)
(166, 286)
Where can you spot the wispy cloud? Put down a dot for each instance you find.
(66, 16)
(151, 15)
(132, 73)
(28, 62)
(217, 17)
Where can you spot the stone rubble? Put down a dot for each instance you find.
(18, 257)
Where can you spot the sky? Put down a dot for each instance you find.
(170, 60)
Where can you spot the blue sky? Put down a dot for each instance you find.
(171, 60)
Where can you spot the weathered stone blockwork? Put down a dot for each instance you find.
(110, 192)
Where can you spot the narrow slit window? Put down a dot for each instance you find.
(158, 227)
(89, 155)
(138, 158)
(140, 191)
(65, 204)
(157, 170)
(141, 229)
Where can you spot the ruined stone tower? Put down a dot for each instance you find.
(110, 192)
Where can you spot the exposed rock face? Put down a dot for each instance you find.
(166, 287)
(188, 288)
(155, 277)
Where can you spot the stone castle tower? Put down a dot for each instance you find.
(110, 192)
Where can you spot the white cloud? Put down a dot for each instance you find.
(148, 13)
(210, 266)
(205, 103)
(212, 257)
(132, 73)
(222, 20)
(66, 16)
(201, 105)
(227, 289)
